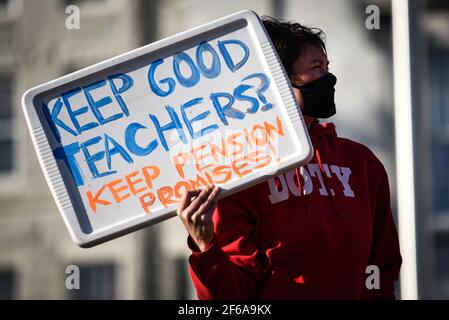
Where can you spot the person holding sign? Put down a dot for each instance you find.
(322, 231)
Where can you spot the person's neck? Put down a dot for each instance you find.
(309, 120)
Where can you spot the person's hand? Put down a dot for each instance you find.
(195, 210)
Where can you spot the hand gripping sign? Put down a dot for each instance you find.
(119, 142)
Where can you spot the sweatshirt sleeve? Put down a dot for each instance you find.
(385, 252)
(231, 267)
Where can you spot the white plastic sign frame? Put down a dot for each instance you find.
(121, 140)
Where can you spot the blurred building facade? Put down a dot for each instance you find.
(35, 248)
(35, 47)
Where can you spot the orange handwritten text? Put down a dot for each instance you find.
(231, 157)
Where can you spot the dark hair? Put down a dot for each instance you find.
(290, 39)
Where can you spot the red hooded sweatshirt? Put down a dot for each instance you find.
(310, 233)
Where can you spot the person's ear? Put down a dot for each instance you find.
(297, 92)
(291, 77)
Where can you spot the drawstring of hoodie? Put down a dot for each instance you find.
(302, 197)
(323, 174)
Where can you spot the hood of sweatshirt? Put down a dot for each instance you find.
(318, 130)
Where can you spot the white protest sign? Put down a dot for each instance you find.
(120, 142)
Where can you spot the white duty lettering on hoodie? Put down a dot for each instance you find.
(288, 182)
(343, 177)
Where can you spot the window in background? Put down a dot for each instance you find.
(97, 282)
(181, 276)
(442, 263)
(3, 5)
(7, 284)
(439, 84)
(6, 125)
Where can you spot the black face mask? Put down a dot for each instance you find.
(318, 96)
